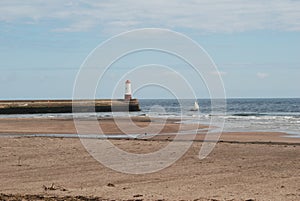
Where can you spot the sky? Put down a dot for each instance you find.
(255, 45)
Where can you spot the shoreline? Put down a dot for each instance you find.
(62, 127)
(183, 120)
(229, 137)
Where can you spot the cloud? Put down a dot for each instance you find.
(262, 75)
(81, 26)
(219, 73)
(115, 16)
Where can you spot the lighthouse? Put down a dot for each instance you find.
(127, 96)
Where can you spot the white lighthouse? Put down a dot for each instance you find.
(127, 90)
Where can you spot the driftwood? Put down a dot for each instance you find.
(53, 187)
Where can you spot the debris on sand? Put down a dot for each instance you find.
(111, 185)
(137, 196)
(53, 187)
(11, 197)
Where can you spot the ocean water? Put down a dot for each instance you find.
(279, 115)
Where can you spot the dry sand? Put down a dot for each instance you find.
(243, 166)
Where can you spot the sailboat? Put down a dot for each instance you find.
(196, 107)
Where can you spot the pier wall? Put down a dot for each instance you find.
(67, 106)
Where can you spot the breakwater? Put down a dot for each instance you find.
(67, 106)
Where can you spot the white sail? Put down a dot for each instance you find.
(196, 107)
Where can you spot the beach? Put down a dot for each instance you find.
(242, 166)
(149, 100)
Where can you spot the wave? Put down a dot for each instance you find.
(248, 114)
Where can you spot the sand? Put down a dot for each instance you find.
(242, 166)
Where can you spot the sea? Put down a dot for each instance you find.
(239, 115)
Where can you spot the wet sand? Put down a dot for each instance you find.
(242, 166)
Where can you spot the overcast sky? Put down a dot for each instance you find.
(255, 44)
